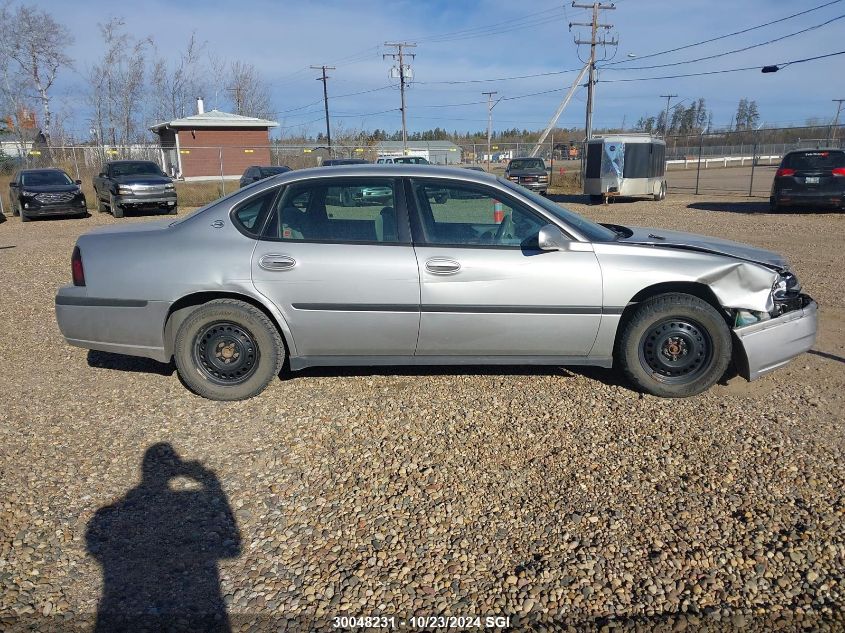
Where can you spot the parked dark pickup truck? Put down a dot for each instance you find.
(133, 184)
(530, 173)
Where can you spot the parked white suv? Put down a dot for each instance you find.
(402, 160)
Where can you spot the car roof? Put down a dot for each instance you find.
(804, 150)
(388, 171)
(132, 160)
(41, 170)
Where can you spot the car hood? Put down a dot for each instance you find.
(50, 188)
(677, 239)
(129, 179)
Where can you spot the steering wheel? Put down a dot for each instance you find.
(506, 228)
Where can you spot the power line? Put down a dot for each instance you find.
(476, 81)
(721, 37)
(736, 50)
(341, 96)
(488, 29)
(719, 72)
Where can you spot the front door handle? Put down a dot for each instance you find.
(442, 266)
(276, 262)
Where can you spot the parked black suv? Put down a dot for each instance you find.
(39, 192)
(810, 178)
(258, 172)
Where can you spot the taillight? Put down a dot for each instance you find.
(784, 172)
(76, 268)
(839, 171)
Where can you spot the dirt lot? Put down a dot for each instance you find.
(547, 495)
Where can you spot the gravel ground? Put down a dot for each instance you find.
(558, 497)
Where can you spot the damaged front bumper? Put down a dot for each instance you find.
(767, 345)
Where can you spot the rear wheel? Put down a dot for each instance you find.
(774, 207)
(674, 345)
(228, 350)
(661, 195)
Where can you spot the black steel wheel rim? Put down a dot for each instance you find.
(676, 351)
(225, 353)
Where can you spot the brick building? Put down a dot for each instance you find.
(213, 144)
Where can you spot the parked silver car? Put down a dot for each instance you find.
(299, 267)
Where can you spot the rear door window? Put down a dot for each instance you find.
(814, 161)
(337, 211)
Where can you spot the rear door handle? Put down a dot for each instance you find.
(276, 262)
(442, 266)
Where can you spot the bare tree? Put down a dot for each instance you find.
(249, 94)
(116, 86)
(176, 86)
(35, 43)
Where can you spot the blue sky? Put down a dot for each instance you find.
(283, 38)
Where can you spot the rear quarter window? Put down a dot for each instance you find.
(249, 215)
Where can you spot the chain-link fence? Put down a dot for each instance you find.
(740, 162)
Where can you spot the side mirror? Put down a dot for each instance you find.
(78, 182)
(551, 238)
(13, 185)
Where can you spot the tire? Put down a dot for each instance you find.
(596, 199)
(115, 209)
(172, 210)
(15, 210)
(774, 207)
(227, 330)
(661, 195)
(102, 207)
(670, 324)
(24, 216)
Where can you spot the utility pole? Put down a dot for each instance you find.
(836, 118)
(666, 117)
(326, 102)
(490, 106)
(595, 26)
(402, 73)
(238, 90)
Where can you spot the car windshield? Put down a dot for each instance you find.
(139, 168)
(589, 229)
(534, 163)
(45, 178)
(815, 161)
(272, 171)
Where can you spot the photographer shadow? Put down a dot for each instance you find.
(159, 548)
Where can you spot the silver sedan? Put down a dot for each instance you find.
(302, 267)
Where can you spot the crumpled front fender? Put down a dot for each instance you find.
(742, 285)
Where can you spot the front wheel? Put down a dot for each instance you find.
(172, 210)
(228, 350)
(661, 195)
(674, 345)
(114, 207)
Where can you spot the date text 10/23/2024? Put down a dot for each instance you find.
(422, 622)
